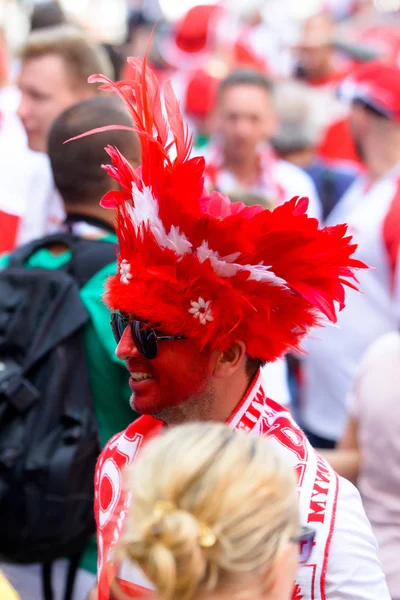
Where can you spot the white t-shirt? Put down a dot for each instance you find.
(29, 202)
(375, 404)
(279, 180)
(334, 352)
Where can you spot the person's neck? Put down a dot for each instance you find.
(242, 582)
(228, 396)
(95, 212)
(323, 74)
(246, 169)
(216, 406)
(379, 165)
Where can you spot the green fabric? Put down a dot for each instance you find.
(200, 142)
(107, 374)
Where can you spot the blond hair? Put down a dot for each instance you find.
(81, 57)
(209, 506)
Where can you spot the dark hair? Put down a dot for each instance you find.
(136, 20)
(116, 59)
(76, 166)
(245, 77)
(48, 14)
(373, 109)
(252, 366)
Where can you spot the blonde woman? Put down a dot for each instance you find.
(213, 515)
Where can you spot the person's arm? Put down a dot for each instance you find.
(345, 460)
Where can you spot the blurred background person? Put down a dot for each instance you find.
(371, 207)
(369, 451)
(240, 156)
(195, 531)
(55, 65)
(316, 61)
(80, 181)
(298, 136)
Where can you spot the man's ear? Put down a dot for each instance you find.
(230, 360)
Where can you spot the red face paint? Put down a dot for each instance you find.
(178, 373)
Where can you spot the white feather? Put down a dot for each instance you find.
(225, 267)
(145, 214)
(220, 267)
(178, 241)
(262, 273)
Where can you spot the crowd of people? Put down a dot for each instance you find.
(243, 244)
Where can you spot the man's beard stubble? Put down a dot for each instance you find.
(196, 408)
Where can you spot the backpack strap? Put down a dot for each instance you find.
(73, 567)
(47, 586)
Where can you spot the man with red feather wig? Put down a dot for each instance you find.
(206, 292)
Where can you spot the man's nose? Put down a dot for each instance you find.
(242, 127)
(126, 347)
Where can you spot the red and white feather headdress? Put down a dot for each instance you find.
(197, 265)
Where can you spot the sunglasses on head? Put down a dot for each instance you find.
(305, 540)
(144, 337)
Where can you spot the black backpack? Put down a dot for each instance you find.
(49, 440)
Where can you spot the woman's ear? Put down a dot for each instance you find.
(230, 361)
(281, 582)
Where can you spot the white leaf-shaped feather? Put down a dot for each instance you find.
(225, 267)
(178, 241)
(145, 213)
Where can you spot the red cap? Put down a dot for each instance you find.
(200, 94)
(192, 31)
(192, 35)
(377, 85)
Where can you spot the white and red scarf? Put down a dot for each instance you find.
(219, 178)
(256, 415)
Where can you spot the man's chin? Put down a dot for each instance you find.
(167, 413)
(35, 145)
(140, 406)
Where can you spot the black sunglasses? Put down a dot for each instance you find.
(144, 337)
(305, 540)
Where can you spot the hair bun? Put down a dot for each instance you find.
(173, 556)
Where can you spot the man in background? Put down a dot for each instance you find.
(318, 63)
(81, 183)
(297, 139)
(371, 207)
(56, 63)
(240, 156)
